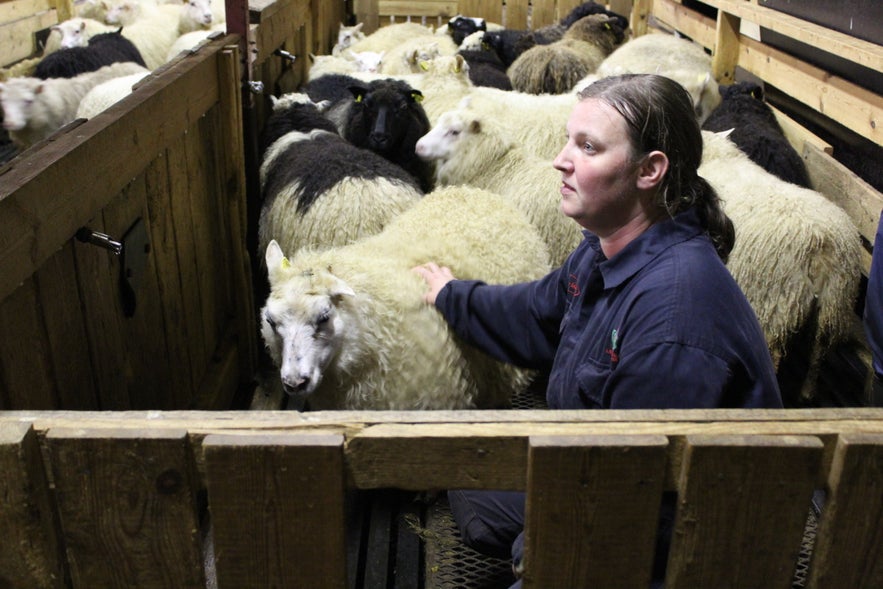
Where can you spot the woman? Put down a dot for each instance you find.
(643, 314)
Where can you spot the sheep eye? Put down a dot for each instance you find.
(323, 318)
(270, 322)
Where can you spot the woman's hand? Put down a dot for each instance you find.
(436, 277)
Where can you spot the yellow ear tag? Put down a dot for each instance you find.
(417, 97)
(285, 264)
(359, 98)
(607, 26)
(424, 66)
(701, 77)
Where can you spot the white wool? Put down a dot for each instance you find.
(796, 252)
(469, 150)
(349, 325)
(34, 109)
(390, 36)
(406, 57)
(153, 29)
(679, 59)
(105, 94)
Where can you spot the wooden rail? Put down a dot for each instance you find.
(116, 499)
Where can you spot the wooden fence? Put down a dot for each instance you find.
(117, 499)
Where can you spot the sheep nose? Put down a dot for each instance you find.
(297, 385)
(379, 141)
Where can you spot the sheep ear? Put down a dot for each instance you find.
(424, 65)
(276, 260)
(725, 134)
(359, 26)
(460, 61)
(417, 96)
(339, 288)
(358, 92)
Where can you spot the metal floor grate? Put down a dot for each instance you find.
(450, 564)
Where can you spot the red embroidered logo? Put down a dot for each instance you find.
(573, 287)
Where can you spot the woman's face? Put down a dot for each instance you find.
(599, 177)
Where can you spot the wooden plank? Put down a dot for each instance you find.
(98, 272)
(144, 351)
(516, 14)
(858, 198)
(850, 538)
(276, 27)
(640, 16)
(742, 508)
(286, 495)
(592, 510)
(60, 301)
(44, 197)
(32, 555)
(367, 12)
(234, 187)
(797, 134)
(126, 501)
(543, 13)
(726, 48)
(18, 37)
(18, 9)
(850, 105)
(25, 352)
(490, 10)
(699, 28)
(445, 9)
(862, 52)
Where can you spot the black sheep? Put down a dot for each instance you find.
(386, 117)
(461, 27)
(757, 132)
(486, 69)
(103, 49)
(589, 8)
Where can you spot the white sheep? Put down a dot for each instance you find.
(105, 94)
(34, 109)
(318, 189)
(677, 58)
(347, 326)
(468, 150)
(189, 41)
(347, 62)
(74, 32)
(797, 254)
(153, 29)
(405, 57)
(346, 36)
(390, 36)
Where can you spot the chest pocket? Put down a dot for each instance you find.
(591, 378)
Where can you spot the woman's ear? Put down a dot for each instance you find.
(652, 170)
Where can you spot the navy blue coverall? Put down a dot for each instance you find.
(662, 324)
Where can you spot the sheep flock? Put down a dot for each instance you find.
(497, 101)
(144, 34)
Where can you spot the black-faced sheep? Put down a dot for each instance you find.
(318, 189)
(797, 254)
(468, 150)
(102, 49)
(386, 117)
(757, 132)
(347, 326)
(461, 27)
(677, 58)
(556, 68)
(34, 109)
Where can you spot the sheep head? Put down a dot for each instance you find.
(302, 322)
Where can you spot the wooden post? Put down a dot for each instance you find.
(277, 507)
(127, 505)
(32, 555)
(726, 48)
(592, 510)
(641, 10)
(739, 497)
(849, 543)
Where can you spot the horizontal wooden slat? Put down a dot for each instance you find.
(11, 10)
(694, 25)
(18, 36)
(862, 52)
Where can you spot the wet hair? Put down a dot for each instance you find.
(660, 116)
